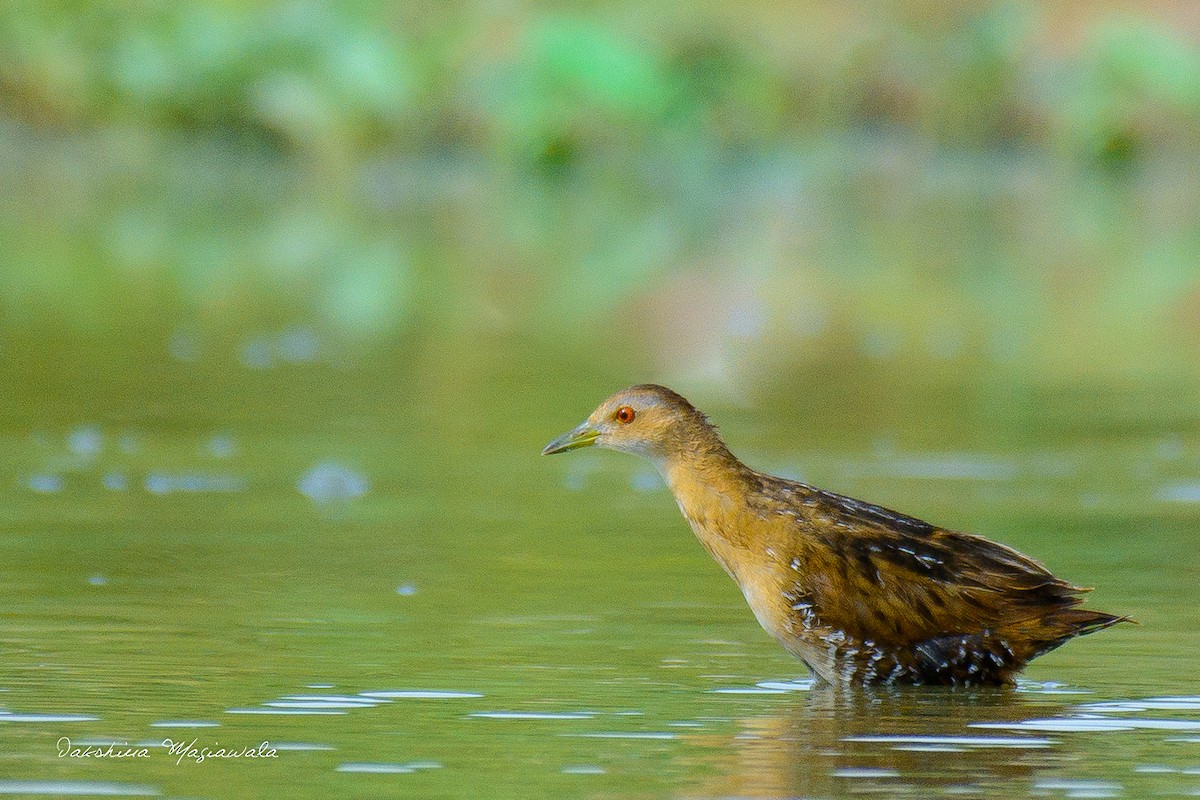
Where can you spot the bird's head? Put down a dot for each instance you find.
(648, 420)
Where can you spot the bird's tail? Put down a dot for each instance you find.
(1082, 622)
(1071, 622)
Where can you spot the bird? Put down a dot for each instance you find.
(861, 594)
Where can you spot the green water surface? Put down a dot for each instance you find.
(224, 549)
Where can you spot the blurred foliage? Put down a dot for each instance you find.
(316, 75)
(553, 87)
(1008, 181)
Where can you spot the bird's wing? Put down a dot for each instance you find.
(887, 578)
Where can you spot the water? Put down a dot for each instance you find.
(255, 494)
(375, 573)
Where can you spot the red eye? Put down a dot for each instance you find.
(625, 415)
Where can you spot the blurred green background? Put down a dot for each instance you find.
(730, 192)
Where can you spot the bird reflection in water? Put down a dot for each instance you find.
(832, 740)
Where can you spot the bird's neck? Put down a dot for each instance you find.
(707, 483)
(712, 465)
(710, 488)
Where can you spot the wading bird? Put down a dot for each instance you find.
(859, 593)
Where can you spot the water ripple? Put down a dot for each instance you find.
(8, 716)
(382, 768)
(533, 714)
(76, 788)
(420, 694)
(958, 741)
(864, 772)
(625, 735)
(285, 711)
(330, 482)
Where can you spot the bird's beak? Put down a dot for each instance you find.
(583, 435)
